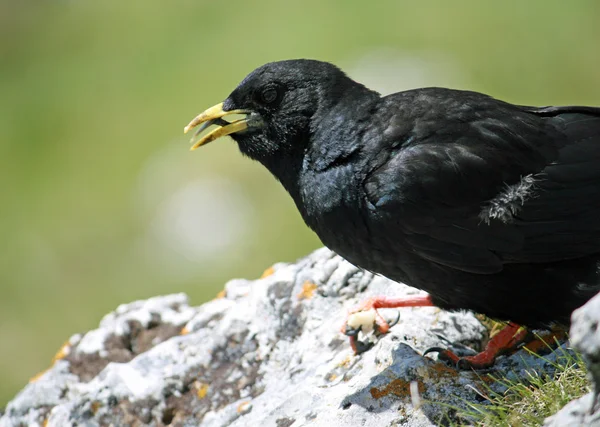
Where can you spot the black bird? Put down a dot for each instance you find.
(485, 205)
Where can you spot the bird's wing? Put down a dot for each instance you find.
(563, 220)
(491, 185)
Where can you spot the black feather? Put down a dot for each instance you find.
(486, 205)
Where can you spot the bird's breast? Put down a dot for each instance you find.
(330, 203)
(333, 205)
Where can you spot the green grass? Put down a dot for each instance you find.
(527, 402)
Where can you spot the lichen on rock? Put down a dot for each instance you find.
(267, 352)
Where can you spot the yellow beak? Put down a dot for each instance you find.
(214, 116)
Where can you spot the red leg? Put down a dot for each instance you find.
(360, 319)
(546, 341)
(384, 302)
(507, 339)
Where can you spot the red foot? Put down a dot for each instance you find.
(504, 341)
(355, 322)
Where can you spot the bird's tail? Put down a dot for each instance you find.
(580, 156)
(581, 125)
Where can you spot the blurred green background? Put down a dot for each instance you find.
(101, 202)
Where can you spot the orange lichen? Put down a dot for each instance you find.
(308, 289)
(202, 390)
(331, 377)
(488, 379)
(243, 407)
(269, 271)
(38, 375)
(443, 370)
(95, 406)
(345, 362)
(62, 352)
(398, 387)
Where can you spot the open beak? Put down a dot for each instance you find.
(214, 116)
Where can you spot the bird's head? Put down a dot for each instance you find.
(278, 103)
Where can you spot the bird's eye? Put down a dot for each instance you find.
(269, 94)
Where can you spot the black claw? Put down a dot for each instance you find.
(463, 365)
(352, 332)
(395, 320)
(361, 346)
(434, 350)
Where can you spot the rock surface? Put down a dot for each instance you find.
(268, 352)
(585, 337)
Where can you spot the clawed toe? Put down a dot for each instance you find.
(460, 363)
(444, 355)
(394, 321)
(366, 319)
(350, 331)
(360, 347)
(434, 350)
(367, 322)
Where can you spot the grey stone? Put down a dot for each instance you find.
(268, 353)
(585, 337)
(577, 413)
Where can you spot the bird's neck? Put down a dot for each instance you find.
(333, 140)
(346, 100)
(287, 171)
(333, 163)
(337, 129)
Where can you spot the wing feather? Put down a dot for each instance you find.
(440, 188)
